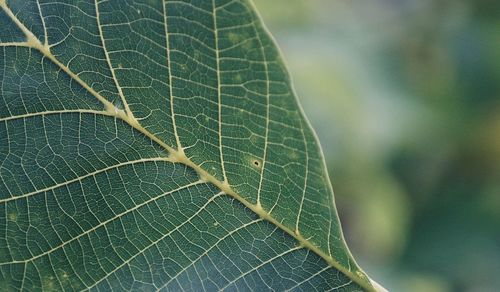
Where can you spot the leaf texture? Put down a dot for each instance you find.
(158, 145)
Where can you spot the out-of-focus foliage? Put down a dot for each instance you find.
(405, 96)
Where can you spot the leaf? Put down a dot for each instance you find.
(149, 145)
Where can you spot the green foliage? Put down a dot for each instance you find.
(158, 146)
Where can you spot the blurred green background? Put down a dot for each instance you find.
(405, 98)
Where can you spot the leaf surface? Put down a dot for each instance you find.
(158, 145)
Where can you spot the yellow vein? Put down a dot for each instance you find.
(170, 84)
(23, 278)
(266, 135)
(104, 223)
(45, 35)
(108, 61)
(35, 43)
(80, 111)
(306, 175)
(15, 44)
(84, 176)
(219, 101)
(214, 245)
(202, 208)
(359, 277)
(266, 262)
(308, 279)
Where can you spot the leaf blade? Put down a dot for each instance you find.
(261, 178)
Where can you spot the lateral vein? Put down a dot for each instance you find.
(64, 111)
(128, 112)
(104, 223)
(170, 85)
(219, 98)
(83, 177)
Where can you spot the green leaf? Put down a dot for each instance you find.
(158, 145)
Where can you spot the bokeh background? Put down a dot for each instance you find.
(405, 98)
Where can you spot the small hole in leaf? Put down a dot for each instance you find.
(256, 163)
